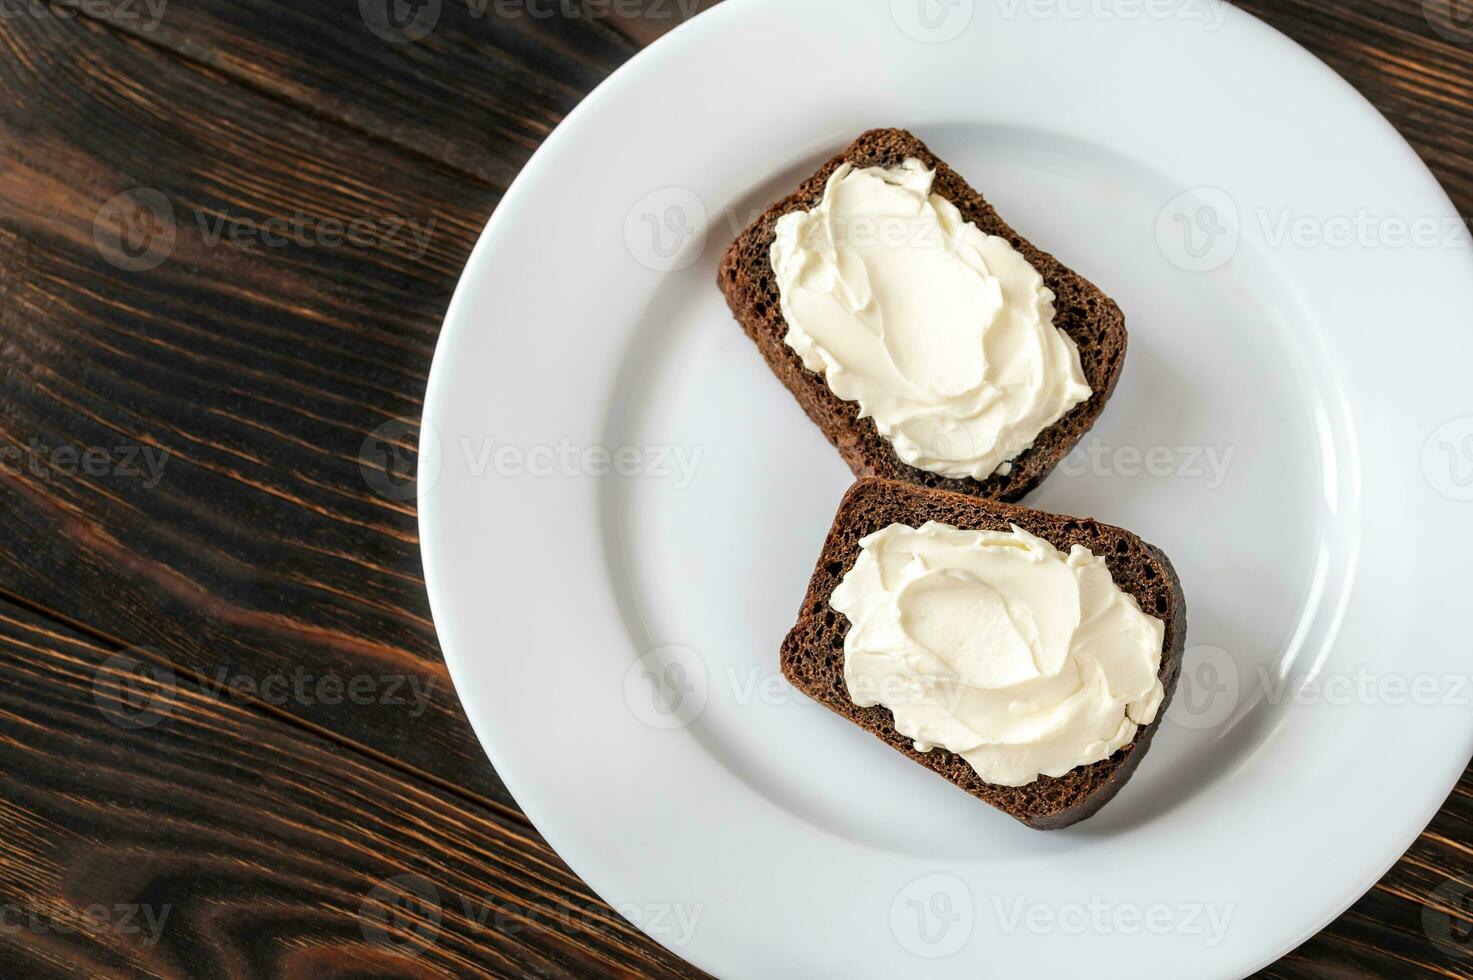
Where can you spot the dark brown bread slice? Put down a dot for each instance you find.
(813, 653)
(1083, 312)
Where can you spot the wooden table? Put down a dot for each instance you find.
(228, 742)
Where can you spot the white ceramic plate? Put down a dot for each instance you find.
(1294, 427)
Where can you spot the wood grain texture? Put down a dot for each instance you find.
(278, 541)
(254, 374)
(153, 828)
(478, 92)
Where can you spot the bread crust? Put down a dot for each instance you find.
(813, 652)
(1085, 313)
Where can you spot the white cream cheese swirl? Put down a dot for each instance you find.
(998, 647)
(943, 334)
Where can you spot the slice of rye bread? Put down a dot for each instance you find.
(1082, 311)
(813, 653)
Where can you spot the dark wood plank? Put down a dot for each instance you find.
(270, 541)
(150, 828)
(476, 84)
